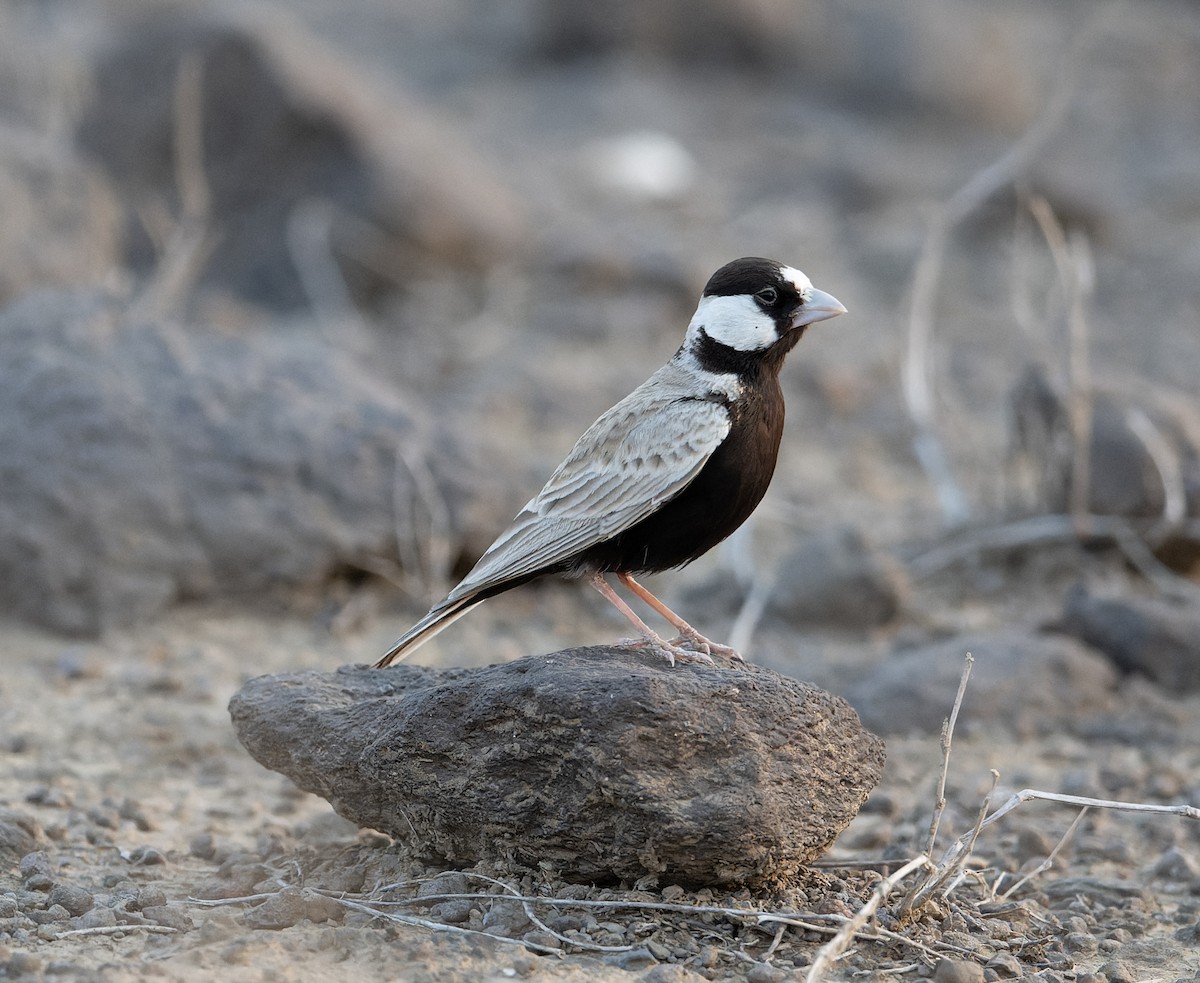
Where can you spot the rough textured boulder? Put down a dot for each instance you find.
(604, 763)
(143, 463)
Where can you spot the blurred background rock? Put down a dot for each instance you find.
(302, 301)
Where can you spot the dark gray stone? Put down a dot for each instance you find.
(317, 130)
(605, 763)
(1123, 477)
(279, 911)
(1157, 638)
(72, 897)
(1020, 682)
(144, 463)
(20, 834)
(836, 578)
(958, 971)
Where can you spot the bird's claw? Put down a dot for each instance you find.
(671, 651)
(698, 643)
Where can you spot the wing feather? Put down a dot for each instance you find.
(637, 456)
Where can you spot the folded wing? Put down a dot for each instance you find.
(637, 456)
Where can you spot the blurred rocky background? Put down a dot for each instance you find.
(300, 302)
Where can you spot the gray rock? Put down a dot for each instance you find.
(506, 918)
(1123, 477)
(317, 130)
(37, 873)
(605, 763)
(280, 911)
(1154, 637)
(1018, 681)
(95, 918)
(958, 971)
(72, 897)
(172, 916)
(145, 463)
(20, 835)
(836, 578)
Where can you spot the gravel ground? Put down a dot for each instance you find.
(143, 841)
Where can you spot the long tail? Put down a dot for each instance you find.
(441, 616)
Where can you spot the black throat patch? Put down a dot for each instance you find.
(713, 356)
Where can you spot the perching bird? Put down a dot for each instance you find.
(667, 473)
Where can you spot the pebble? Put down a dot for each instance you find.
(958, 971)
(323, 909)
(151, 897)
(1116, 971)
(8, 906)
(202, 846)
(452, 912)
(506, 918)
(764, 973)
(658, 950)
(449, 883)
(95, 918)
(36, 872)
(170, 916)
(632, 960)
(1176, 865)
(72, 897)
(539, 938)
(282, 910)
(54, 913)
(146, 856)
(1005, 966)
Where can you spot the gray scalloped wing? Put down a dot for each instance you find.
(641, 453)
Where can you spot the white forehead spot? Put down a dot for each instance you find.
(803, 283)
(736, 321)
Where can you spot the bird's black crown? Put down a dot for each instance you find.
(747, 275)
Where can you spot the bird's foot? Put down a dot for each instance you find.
(698, 643)
(670, 651)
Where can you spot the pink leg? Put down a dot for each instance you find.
(670, 651)
(686, 632)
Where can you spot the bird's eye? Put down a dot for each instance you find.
(767, 296)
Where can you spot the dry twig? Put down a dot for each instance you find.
(947, 738)
(832, 950)
(190, 243)
(915, 377)
(75, 933)
(1046, 864)
(1072, 260)
(1043, 529)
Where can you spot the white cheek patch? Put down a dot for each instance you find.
(737, 322)
(803, 284)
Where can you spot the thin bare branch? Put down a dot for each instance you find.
(947, 738)
(916, 375)
(832, 950)
(1043, 529)
(1046, 864)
